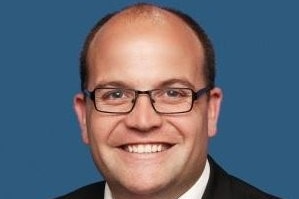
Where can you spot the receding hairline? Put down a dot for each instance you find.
(146, 13)
(142, 12)
(150, 13)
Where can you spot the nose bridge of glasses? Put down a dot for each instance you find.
(148, 93)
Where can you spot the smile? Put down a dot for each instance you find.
(146, 148)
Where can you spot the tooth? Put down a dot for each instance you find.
(148, 148)
(159, 148)
(140, 148)
(154, 148)
(130, 149)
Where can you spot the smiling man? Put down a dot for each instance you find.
(148, 107)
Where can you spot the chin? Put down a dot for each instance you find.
(145, 188)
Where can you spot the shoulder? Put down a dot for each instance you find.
(92, 191)
(226, 186)
(239, 187)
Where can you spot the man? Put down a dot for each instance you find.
(148, 108)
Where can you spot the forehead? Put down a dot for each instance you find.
(156, 35)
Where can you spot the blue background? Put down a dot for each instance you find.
(41, 153)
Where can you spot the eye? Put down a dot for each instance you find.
(172, 93)
(176, 93)
(112, 94)
(116, 94)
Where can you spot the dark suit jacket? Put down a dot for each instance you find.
(221, 185)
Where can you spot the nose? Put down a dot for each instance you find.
(143, 117)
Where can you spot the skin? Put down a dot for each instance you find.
(144, 54)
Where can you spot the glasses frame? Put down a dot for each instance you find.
(195, 96)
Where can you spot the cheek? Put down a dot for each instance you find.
(101, 128)
(98, 128)
(192, 127)
(194, 133)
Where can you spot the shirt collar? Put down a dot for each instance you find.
(198, 189)
(195, 192)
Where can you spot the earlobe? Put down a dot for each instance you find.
(80, 110)
(214, 110)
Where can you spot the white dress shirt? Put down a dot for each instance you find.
(195, 192)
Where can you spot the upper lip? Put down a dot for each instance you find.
(145, 143)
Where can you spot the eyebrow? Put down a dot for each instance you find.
(171, 82)
(118, 84)
(163, 84)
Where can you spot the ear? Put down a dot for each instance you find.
(214, 110)
(80, 110)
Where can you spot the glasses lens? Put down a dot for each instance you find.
(115, 100)
(172, 100)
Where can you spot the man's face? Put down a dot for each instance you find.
(143, 56)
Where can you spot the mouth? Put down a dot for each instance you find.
(146, 148)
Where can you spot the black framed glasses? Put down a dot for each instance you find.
(164, 101)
